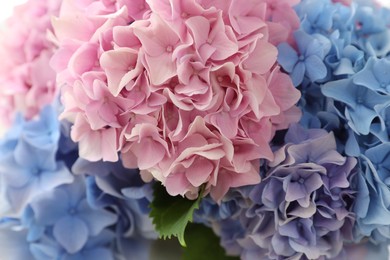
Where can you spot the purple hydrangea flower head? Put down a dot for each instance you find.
(301, 209)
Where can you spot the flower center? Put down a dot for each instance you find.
(169, 48)
(35, 172)
(72, 211)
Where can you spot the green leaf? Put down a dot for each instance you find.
(171, 214)
(203, 244)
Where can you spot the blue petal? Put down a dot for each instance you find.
(298, 73)
(13, 245)
(303, 40)
(33, 157)
(134, 192)
(71, 233)
(50, 207)
(98, 253)
(44, 252)
(76, 191)
(287, 57)
(366, 77)
(315, 68)
(381, 70)
(96, 220)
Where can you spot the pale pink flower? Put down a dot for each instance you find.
(27, 83)
(188, 91)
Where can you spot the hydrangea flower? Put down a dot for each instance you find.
(224, 218)
(371, 205)
(122, 190)
(301, 210)
(360, 104)
(97, 247)
(375, 75)
(28, 164)
(66, 213)
(308, 61)
(23, 86)
(179, 90)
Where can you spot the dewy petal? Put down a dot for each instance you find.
(71, 233)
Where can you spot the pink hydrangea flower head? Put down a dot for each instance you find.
(188, 91)
(27, 82)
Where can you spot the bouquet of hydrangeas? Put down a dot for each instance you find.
(246, 129)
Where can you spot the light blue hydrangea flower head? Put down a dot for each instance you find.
(28, 163)
(64, 214)
(123, 191)
(97, 247)
(372, 204)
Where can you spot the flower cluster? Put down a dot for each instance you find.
(28, 164)
(189, 92)
(27, 82)
(60, 208)
(351, 82)
(270, 119)
(302, 208)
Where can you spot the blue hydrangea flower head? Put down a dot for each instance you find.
(97, 247)
(65, 214)
(28, 165)
(121, 189)
(372, 204)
